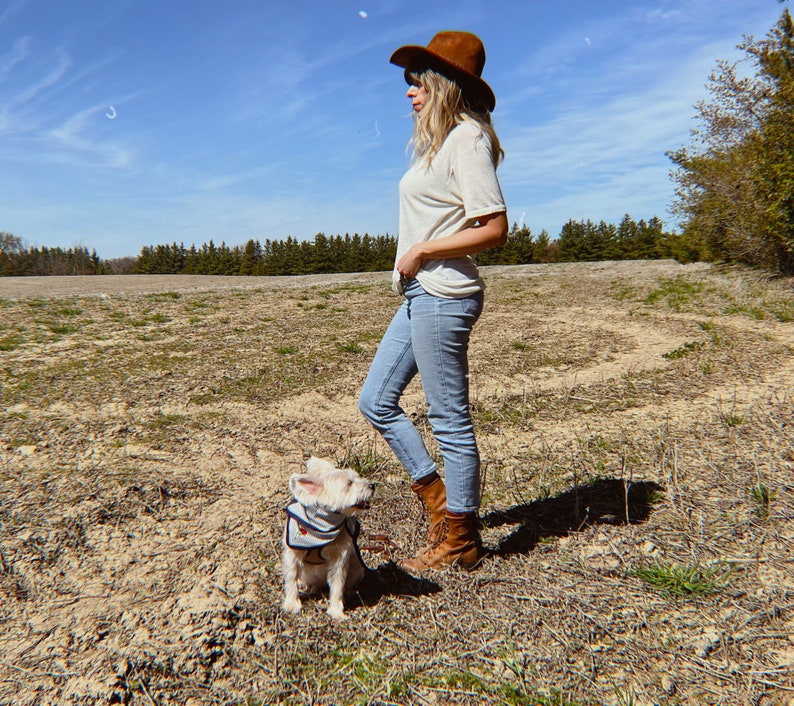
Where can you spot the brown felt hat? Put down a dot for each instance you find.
(460, 56)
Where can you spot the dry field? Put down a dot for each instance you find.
(636, 421)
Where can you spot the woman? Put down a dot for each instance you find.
(451, 206)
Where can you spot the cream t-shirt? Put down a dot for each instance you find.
(459, 186)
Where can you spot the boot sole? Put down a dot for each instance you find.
(457, 564)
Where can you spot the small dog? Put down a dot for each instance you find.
(320, 534)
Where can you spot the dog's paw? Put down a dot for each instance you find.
(337, 614)
(292, 606)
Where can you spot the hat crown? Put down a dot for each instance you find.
(460, 56)
(461, 49)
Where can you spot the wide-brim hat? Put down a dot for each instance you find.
(460, 56)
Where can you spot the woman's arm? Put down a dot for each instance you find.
(489, 232)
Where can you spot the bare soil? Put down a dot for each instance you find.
(636, 423)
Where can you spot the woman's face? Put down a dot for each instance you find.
(418, 95)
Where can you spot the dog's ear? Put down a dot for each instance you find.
(301, 484)
(319, 466)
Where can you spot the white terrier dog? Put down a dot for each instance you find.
(320, 534)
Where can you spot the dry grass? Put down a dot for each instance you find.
(636, 422)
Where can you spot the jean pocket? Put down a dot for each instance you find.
(472, 306)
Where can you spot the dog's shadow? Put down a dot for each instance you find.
(388, 579)
(611, 501)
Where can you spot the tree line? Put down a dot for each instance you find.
(582, 240)
(322, 255)
(17, 260)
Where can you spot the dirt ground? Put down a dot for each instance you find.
(632, 416)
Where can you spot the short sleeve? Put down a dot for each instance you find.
(474, 177)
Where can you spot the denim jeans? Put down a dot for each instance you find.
(429, 335)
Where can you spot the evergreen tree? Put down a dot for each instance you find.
(251, 257)
(639, 241)
(320, 261)
(603, 242)
(541, 249)
(573, 241)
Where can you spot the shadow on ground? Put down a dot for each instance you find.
(389, 579)
(607, 501)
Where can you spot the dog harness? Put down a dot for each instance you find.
(314, 528)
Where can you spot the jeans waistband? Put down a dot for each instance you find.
(410, 284)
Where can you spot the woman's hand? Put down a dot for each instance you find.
(489, 231)
(410, 263)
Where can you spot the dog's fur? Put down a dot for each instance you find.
(338, 563)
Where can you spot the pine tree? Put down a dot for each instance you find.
(541, 249)
(251, 257)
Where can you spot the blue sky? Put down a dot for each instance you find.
(132, 123)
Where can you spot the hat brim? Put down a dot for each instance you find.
(418, 58)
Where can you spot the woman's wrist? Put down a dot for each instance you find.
(421, 252)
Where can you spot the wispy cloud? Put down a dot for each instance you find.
(11, 9)
(76, 139)
(50, 77)
(600, 155)
(659, 14)
(18, 53)
(42, 116)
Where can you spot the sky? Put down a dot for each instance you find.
(126, 123)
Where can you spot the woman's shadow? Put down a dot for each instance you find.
(610, 501)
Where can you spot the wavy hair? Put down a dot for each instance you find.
(446, 107)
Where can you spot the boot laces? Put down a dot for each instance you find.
(436, 542)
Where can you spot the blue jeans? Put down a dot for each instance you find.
(430, 336)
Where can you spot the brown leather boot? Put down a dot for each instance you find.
(459, 547)
(433, 495)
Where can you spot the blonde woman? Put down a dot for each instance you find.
(451, 207)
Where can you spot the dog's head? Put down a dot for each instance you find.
(336, 489)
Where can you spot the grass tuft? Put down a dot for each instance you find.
(762, 498)
(10, 342)
(366, 461)
(677, 292)
(680, 581)
(683, 351)
(351, 347)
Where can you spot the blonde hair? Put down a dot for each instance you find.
(446, 107)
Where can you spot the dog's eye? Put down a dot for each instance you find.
(349, 482)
